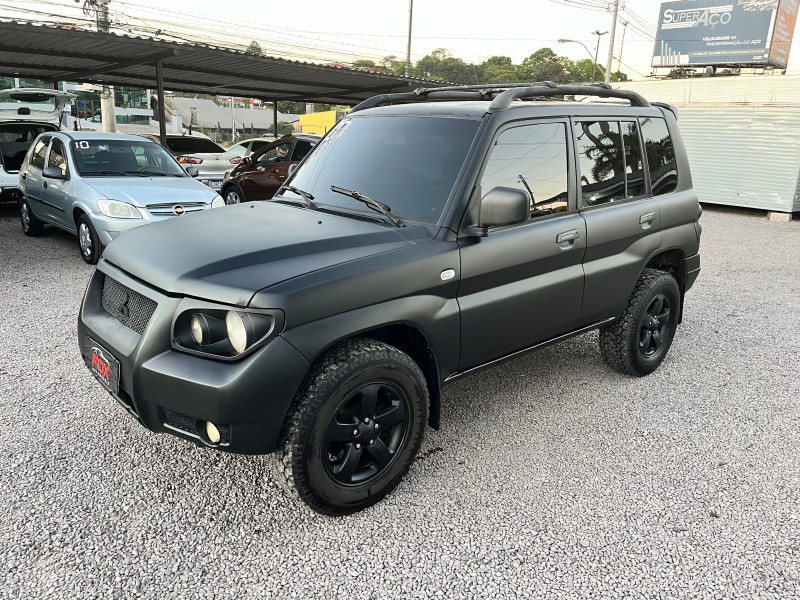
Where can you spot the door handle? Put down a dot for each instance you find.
(24, 175)
(44, 185)
(646, 221)
(567, 236)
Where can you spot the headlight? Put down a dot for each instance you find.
(217, 202)
(221, 333)
(118, 210)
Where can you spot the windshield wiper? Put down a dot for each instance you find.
(307, 198)
(372, 203)
(104, 172)
(147, 173)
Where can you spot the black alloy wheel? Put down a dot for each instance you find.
(654, 326)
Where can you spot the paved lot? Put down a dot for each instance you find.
(552, 477)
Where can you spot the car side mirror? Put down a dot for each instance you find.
(501, 206)
(192, 171)
(292, 168)
(53, 173)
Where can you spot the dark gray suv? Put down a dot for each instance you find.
(427, 236)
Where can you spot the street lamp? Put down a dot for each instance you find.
(593, 57)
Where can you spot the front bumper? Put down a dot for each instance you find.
(173, 392)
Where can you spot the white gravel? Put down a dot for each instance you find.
(552, 477)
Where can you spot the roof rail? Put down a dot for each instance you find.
(502, 94)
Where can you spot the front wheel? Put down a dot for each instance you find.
(638, 341)
(89, 241)
(233, 195)
(355, 426)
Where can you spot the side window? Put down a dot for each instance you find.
(277, 154)
(57, 157)
(301, 148)
(37, 156)
(602, 164)
(634, 162)
(257, 145)
(531, 158)
(660, 156)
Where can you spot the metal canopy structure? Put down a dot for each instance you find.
(71, 53)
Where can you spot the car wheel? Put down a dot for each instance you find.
(233, 195)
(31, 225)
(88, 240)
(638, 341)
(354, 428)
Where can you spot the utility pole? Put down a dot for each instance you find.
(107, 95)
(408, 47)
(611, 41)
(621, 45)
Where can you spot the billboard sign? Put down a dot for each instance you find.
(725, 32)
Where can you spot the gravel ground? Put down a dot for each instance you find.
(552, 477)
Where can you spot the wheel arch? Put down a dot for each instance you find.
(672, 261)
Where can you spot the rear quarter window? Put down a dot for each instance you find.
(660, 153)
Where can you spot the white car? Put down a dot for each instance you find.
(210, 159)
(247, 147)
(24, 114)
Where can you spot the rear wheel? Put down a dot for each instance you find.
(88, 240)
(355, 426)
(233, 195)
(31, 225)
(638, 341)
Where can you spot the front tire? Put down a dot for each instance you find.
(31, 225)
(639, 340)
(88, 240)
(354, 428)
(233, 195)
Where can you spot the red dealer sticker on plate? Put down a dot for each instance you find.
(103, 366)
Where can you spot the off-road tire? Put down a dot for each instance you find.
(304, 460)
(31, 225)
(91, 253)
(621, 342)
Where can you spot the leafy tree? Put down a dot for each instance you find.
(255, 49)
(392, 65)
(499, 69)
(363, 62)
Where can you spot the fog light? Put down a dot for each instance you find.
(212, 432)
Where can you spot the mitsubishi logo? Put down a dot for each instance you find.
(123, 309)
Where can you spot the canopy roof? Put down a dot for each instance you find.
(71, 53)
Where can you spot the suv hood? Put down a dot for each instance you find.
(142, 191)
(26, 104)
(228, 254)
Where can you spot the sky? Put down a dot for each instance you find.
(346, 30)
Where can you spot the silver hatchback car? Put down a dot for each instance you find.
(100, 185)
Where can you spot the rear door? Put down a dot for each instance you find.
(623, 222)
(55, 192)
(31, 179)
(523, 284)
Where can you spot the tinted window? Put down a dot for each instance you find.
(660, 156)
(602, 164)
(258, 145)
(276, 154)
(409, 163)
(634, 163)
(301, 148)
(57, 157)
(193, 145)
(532, 158)
(39, 150)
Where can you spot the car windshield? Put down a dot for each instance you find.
(408, 163)
(193, 145)
(115, 158)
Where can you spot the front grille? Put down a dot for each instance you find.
(168, 210)
(189, 425)
(127, 306)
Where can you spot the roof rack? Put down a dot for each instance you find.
(503, 94)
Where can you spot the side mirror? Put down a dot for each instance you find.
(501, 206)
(53, 173)
(292, 168)
(192, 171)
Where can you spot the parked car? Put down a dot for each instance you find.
(247, 147)
(24, 114)
(419, 242)
(210, 159)
(100, 185)
(260, 175)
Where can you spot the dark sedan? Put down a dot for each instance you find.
(260, 175)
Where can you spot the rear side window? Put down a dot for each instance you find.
(39, 150)
(660, 156)
(57, 156)
(193, 145)
(601, 160)
(531, 158)
(634, 161)
(301, 148)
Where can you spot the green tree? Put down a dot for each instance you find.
(363, 63)
(392, 65)
(499, 69)
(255, 49)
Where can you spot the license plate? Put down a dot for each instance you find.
(215, 184)
(103, 366)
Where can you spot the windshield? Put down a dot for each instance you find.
(14, 100)
(408, 163)
(193, 145)
(109, 158)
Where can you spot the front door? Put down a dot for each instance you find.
(267, 171)
(55, 191)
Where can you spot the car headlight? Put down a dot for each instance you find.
(222, 333)
(118, 210)
(217, 202)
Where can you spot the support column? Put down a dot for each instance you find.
(162, 111)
